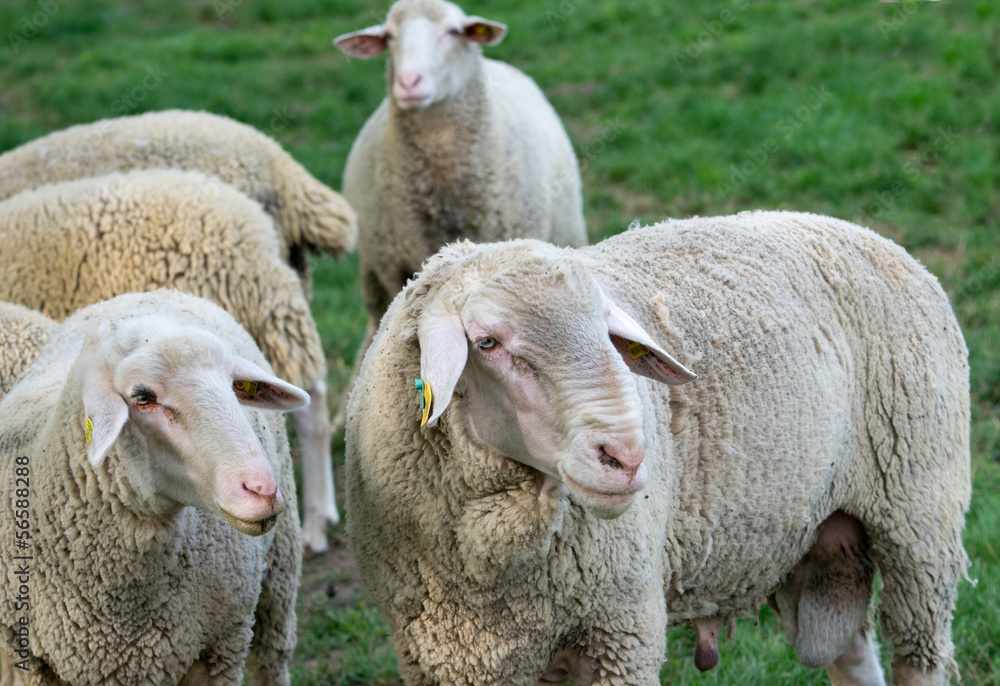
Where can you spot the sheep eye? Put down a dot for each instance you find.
(455, 32)
(488, 343)
(143, 397)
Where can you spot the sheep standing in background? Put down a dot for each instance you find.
(67, 245)
(549, 514)
(161, 538)
(462, 147)
(308, 215)
(22, 334)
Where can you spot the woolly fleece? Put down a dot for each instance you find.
(832, 376)
(71, 244)
(307, 214)
(117, 598)
(22, 334)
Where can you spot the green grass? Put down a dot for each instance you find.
(885, 114)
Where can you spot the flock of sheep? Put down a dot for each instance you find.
(672, 426)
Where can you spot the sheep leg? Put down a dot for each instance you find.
(905, 674)
(273, 677)
(312, 430)
(199, 675)
(274, 618)
(858, 665)
(636, 658)
(920, 580)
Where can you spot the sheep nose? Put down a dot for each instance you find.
(627, 460)
(261, 485)
(265, 493)
(408, 80)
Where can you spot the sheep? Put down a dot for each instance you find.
(74, 243)
(22, 334)
(152, 534)
(547, 514)
(307, 214)
(462, 147)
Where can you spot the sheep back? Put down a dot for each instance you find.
(308, 214)
(75, 243)
(22, 334)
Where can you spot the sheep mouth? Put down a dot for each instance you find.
(613, 499)
(251, 527)
(412, 102)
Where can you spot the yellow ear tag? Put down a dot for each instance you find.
(249, 387)
(88, 431)
(425, 399)
(637, 349)
(482, 30)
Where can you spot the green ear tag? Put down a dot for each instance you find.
(88, 430)
(425, 399)
(637, 349)
(249, 387)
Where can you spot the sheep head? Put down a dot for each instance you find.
(433, 49)
(167, 397)
(539, 358)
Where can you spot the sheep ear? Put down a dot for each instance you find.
(258, 388)
(443, 352)
(105, 412)
(364, 43)
(641, 354)
(484, 31)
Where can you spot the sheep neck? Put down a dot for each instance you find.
(440, 147)
(100, 505)
(91, 542)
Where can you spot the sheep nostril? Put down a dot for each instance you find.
(264, 490)
(608, 460)
(409, 80)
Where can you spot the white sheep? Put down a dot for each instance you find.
(555, 514)
(308, 215)
(150, 528)
(462, 147)
(74, 243)
(22, 334)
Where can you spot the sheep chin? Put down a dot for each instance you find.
(246, 526)
(601, 505)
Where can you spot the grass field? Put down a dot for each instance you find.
(884, 114)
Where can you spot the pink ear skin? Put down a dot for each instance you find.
(484, 31)
(646, 359)
(653, 364)
(107, 411)
(265, 390)
(444, 350)
(363, 44)
(270, 396)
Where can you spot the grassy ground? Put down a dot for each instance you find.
(885, 114)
